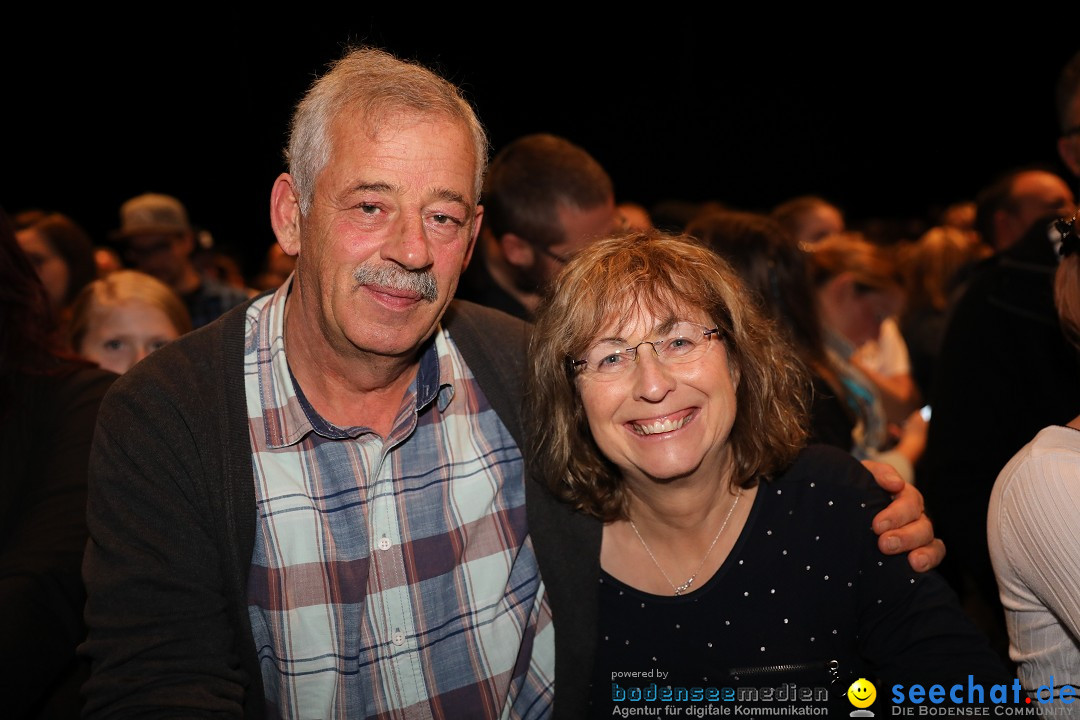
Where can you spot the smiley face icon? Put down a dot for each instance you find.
(862, 693)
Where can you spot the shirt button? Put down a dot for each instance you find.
(384, 543)
(398, 638)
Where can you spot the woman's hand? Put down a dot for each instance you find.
(903, 526)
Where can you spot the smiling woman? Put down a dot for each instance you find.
(668, 408)
(644, 295)
(663, 415)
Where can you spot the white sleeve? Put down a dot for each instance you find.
(1034, 529)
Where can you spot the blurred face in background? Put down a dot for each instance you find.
(819, 222)
(49, 264)
(120, 335)
(580, 226)
(165, 256)
(856, 311)
(1035, 195)
(870, 308)
(1069, 142)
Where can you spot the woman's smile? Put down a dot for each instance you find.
(664, 423)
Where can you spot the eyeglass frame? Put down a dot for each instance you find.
(1070, 235)
(575, 366)
(562, 260)
(621, 226)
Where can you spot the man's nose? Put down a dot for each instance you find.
(408, 244)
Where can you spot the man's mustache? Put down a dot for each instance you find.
(420, 282)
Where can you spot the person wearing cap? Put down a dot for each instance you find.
(158, 240)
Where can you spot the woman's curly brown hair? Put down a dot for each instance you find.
(670, 276)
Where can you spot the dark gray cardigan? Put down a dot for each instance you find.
(172, 517)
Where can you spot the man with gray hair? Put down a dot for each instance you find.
(316, 507)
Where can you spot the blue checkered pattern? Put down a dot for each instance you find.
(391, 578)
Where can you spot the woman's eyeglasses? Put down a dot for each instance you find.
(609, 359)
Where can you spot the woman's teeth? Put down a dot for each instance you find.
(660, 426)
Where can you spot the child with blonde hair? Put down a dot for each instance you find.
(121, 318)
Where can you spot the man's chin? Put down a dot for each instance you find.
(396, 332)
(390, 346)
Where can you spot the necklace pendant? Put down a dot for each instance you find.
(686, 585)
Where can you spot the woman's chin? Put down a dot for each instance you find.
(667, 473)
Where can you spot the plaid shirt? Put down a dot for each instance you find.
(391, 578)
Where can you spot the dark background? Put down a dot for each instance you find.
(885, 121)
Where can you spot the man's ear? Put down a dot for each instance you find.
(1005, 226)
(517, 250)
(1069, 150)
(285, 214)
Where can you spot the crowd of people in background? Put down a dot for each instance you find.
(157, 242)
(936, 349)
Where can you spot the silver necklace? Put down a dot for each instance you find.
(680, 589)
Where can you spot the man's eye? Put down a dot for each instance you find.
(441, 219)
(368, 208)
